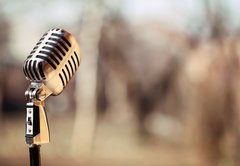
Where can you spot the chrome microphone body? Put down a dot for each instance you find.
(49, 67)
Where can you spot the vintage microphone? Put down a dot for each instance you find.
(49, 67)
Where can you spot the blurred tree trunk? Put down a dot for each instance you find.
(84, 125)
(4, 55)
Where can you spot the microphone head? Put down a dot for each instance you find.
(53, 61)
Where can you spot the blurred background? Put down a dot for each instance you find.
(158, 84)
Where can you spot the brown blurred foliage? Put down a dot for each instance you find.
(196, 84)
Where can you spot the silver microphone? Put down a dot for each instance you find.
(53, 61)
(49, 67)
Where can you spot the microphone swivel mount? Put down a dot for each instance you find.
(37, 130)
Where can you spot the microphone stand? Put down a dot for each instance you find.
(37, 131)
(34, 155)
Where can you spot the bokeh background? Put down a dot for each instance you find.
(158, 84)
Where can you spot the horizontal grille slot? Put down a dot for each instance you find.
(33, 51)
(62, 37)
(45, 34)
(74, 63)
(65, 76)
(63, 45)
(39, 43)
(77, 58)
(35, 70)
(68, 43)
(69, 75)
(53, 39)
(29, 56)
(48, 60)
(63, 53)
(54, 51)
(30, 70)
(58, 35)
(50, 55)
(59, 41)
(41, 38)
(55, 45)
(40, 67)
(71, 66)
(51, 44)
(61, 79)
(35, 47)
(26, 69)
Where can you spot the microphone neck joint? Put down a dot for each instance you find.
(37, 92)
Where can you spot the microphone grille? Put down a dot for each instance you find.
(51, 51)
(54, 60)
(69, 69)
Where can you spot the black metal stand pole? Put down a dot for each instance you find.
(34, 155)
